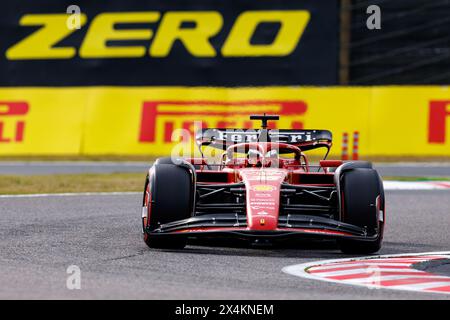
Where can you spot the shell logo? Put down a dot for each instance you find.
(263, 187)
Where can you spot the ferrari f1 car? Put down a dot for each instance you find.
(263, 188)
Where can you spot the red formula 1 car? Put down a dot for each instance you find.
(263, 188)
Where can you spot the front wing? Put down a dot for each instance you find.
(292, 226)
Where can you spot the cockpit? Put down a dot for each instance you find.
(268, 154)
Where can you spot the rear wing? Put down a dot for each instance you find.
(304, 139)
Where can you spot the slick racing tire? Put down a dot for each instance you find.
(363, 203)
(168, 197)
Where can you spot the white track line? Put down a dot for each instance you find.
(301, 270)
(416, 185)
(411, 164)
(362, 264)
(139, 163)
(424, 286)
(367, 269)
(388, 185)
(45, 195)
(72, 164)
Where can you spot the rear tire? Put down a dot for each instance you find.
(171, 195)
(361, 188)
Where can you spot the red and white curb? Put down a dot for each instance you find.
(416, 185)
(380, 272)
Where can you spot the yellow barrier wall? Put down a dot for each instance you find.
(392, 121)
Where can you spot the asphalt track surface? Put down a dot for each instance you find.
(433, 169)
(41, 237)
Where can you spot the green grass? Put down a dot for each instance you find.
(111, 182)
(68, 183)
(118, 158)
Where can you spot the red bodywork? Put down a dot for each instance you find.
(263, 185)
(265, 197)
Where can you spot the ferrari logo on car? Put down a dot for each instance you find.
(262, 222)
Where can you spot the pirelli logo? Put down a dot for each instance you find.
(109, 35)
(12, 121)
(161, 118)
(439, 113)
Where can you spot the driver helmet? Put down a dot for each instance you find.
(254, 157)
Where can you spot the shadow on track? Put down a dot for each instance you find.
(304, 249)
(292, 249)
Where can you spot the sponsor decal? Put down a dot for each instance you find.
(85, 118)
(250, 135)
(265, 178)
(263, 187)
(165, 43)
(262, 205)
(439, 114)
(12, 121)
(40, 44)
(262, 195)
(260, 201)
(166, 116)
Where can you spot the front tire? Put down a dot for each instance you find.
(362, 206)
(168, 197)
